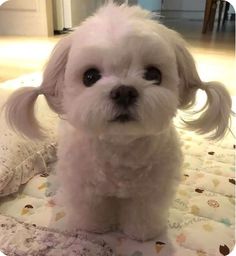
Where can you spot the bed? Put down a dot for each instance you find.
(201, 219)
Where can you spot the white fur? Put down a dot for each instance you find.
(120, 175)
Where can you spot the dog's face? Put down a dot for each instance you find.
(121, 79)
(122, 73)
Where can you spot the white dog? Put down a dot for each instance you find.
(118, 81)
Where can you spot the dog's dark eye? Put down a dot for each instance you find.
(152, 74)
(91, 76)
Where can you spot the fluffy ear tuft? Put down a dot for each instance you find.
(53, 76)
(215, 116)
(19, 112)
(19, 109)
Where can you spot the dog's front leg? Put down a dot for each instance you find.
(143, 218)
(93, 213)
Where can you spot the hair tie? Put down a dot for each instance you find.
(203, 86)
(39, 91)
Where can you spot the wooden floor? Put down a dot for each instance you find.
(22, 55)
(214, 52)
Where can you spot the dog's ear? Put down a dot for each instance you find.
(214, 117)
(53, 77)
(19, 108)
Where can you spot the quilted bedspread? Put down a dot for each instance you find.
(201, 220)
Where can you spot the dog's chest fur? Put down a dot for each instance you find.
(116, 166)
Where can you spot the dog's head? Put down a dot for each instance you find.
(122, 72)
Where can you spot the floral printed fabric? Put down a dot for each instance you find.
(21, 159)
(27, 239)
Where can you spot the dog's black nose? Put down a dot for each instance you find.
(124, 95)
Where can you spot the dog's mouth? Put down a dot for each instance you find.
(123, 118)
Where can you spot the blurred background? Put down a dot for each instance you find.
(29, 29)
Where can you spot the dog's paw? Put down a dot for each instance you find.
(141, 236)
(143, 233)
(95, 229)
(92, 225)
